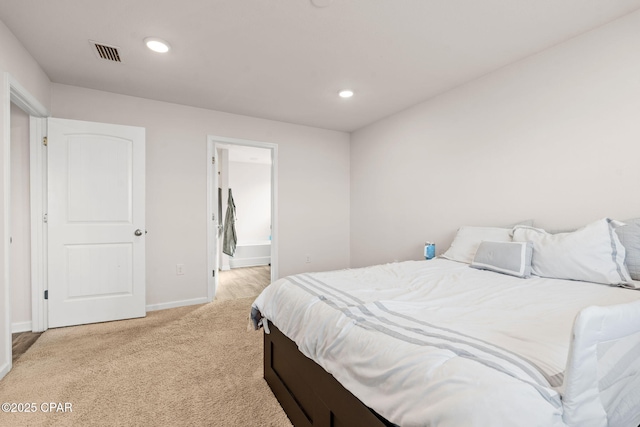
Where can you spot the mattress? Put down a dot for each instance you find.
(436, 343)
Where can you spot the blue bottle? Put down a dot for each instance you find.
(429, 250)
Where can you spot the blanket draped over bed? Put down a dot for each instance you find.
(439, 343)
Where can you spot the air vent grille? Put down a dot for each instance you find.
(110, 53)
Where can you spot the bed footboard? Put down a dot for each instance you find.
(307, 393)
(602, 381)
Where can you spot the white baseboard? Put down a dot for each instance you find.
(21, 327)
(175, 304)
(249, 262)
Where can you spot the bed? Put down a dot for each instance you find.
(438, 343)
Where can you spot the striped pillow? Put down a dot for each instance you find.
(513, 258)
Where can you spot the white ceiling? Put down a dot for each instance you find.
(286, 59)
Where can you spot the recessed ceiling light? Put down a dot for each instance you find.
(157, 45)
(345, 93)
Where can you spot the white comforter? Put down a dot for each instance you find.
(436, 343)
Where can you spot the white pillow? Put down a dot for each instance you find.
(467, 240)
(591, 254)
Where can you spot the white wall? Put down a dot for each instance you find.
(20, 222)
(15, 60)
(251, 186)
(313, 185)
(554, 137)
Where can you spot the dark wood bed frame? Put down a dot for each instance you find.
(309, 395)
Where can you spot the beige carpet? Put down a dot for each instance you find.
(242, 282)
(189, 366)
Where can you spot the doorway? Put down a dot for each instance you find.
(14, 95)
(246, 170)
(20, 223)
(20, 235)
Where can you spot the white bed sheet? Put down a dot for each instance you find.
(411, 383)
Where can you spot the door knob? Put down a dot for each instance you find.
(138, 232)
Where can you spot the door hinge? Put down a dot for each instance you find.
(44, 141)
(213, 273)
(46, 294)
(45, 218)
(213, 160)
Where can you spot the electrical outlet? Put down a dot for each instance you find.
(179, 269)
(307, 259)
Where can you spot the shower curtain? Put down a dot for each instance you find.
(230, 239)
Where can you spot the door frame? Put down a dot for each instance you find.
(39, 237)
(212, 205)
(12, 91)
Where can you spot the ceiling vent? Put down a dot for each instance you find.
(104, 51)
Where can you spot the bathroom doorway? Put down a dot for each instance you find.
(246, 172)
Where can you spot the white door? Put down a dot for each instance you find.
(96, 222)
